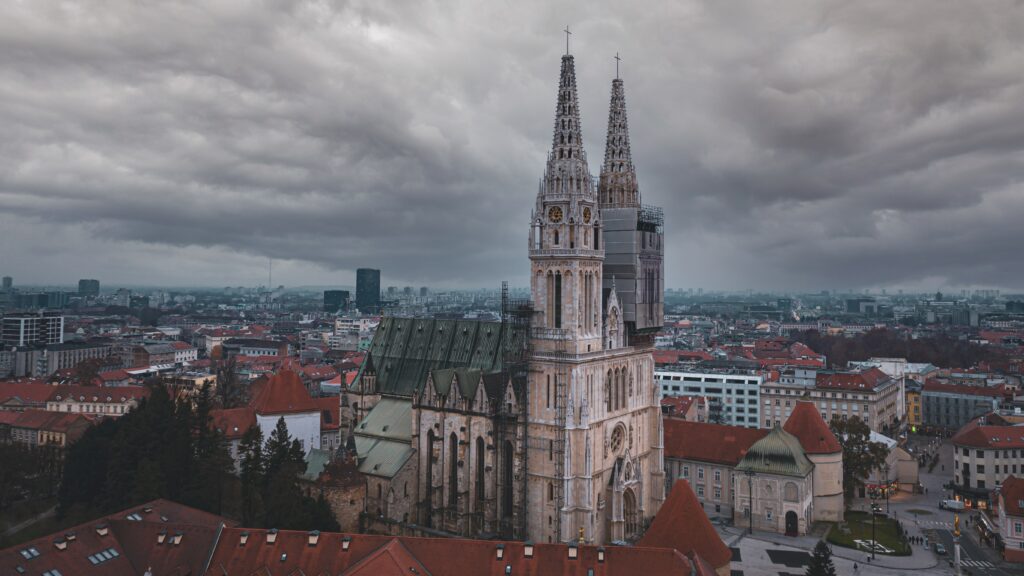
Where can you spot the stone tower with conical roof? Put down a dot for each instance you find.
(593, 466)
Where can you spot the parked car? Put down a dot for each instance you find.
(951, 505)
(940, 549)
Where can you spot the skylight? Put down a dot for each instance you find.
(29, 553)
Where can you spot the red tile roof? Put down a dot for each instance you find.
(233, 422)
(34, 392)
(682, 524)
(977, 435)
(707, 442)
(101, 394)
(291, 553)
(330, 412)
(808, 426)
(179, 345)
(863, 380)
(1012, 493)
(133, 541)
(49, 421)
(679, 404)
(282, 393)
(932, 385)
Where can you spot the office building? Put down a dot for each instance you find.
(32, 329)
(368, 290)
(986, 452)
(88, 288)
(335, 301)
(870, 395)
(732, 395)
(8, 283)
(952, 406)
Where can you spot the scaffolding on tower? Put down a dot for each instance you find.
(516, 317)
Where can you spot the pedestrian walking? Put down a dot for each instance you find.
(854, 566)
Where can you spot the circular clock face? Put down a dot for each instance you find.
(555, 214)
(586, 215)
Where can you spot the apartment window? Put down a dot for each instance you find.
(718, 476)
(700, 473)
(981, 468)
(979, 453)
(1018, 527)
(718, 493)
(686, 471)
(768, 514)
(700, 492)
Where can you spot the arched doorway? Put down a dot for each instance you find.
(630, 515)
(792, 524)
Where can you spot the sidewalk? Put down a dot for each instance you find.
(920, 559)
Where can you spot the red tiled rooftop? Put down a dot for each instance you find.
(932, 385)
(810, 428)
(863, 380)
(681, 524)
(977, 435)
(282, 393)
(233, 422)
(1012, 492)
(708, 442)
(330, 409)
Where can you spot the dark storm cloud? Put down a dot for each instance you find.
(799, 144)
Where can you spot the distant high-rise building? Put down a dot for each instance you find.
(423, 291)
(368, 289)
(88, 287)
(335, 300)
(32, 329)
(392, 290)
(407, 291)
(8, 283)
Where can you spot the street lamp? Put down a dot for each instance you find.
(885, 467)
(874, 543)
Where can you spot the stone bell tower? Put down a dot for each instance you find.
(594, 463)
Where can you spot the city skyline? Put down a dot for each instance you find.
(817, 147)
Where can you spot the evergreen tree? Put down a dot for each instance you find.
(821, 561)
(252, 471)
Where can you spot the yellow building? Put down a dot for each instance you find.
(913, 397)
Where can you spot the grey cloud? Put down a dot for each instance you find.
(796, 145)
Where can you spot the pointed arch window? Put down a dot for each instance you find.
(453, 471)
(480, 489)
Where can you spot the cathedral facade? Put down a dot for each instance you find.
(595, 467)
(547, 429)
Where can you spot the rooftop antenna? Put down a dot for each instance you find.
(567, 33)
(617, 60)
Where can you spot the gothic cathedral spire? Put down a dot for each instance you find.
(618, 188)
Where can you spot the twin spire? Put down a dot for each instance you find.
(618, 185)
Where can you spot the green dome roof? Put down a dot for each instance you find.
(777, 453)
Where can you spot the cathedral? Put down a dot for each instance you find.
(545, 426)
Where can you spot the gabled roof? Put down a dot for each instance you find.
(808, 426)
(35, 392)
(717, 443)
(233, 422)
(1012, 493)
(977, 435)
(282, 393)
(122, 544)
(682, 524)
(391, 559)
(330, 412)
(405, 350)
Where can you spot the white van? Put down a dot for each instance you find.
(951, 505)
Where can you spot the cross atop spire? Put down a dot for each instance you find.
(617, 60)
(567, 33)
(618, 178)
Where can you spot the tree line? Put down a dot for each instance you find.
(941, 350)
(170, 449)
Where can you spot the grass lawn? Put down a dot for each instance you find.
(858, 527)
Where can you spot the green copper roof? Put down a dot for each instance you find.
(777, 453)
(405, 350)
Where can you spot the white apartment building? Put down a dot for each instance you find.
(733, 393)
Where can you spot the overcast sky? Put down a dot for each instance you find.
(798, 144)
